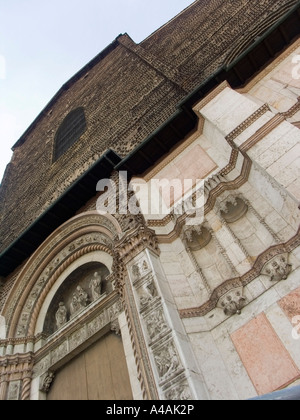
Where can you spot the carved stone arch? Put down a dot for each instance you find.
(89, 254)
(81, 235)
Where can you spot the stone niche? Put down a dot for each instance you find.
(234, 210)
(80, 281)
(199, 240)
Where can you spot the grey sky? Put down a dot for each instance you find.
(44, 43)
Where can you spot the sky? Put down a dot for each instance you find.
(44, 43)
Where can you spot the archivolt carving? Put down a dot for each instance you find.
(71, 233)
(38, 295)
(81, 233)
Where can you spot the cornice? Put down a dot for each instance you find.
(244, 280)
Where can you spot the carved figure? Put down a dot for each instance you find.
(61, 316)
(47, 382)
(279, 269)
(96, 286)
(79, 300)
(234, 304)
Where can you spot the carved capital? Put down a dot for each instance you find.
(135, 242)
(16, 367)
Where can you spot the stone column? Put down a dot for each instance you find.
(165, 361)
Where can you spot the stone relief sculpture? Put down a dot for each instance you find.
(233, 303)
(136, 272)
(156, 324)
(79, 300)
(47, 382)
(179, 393)
(147, 294)
(82, 297)
(140, 269)
(278, 268)
(61, 316)
(167, 361)
(96, 286)
(76, 293)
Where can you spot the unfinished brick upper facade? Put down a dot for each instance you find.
(128, 91)
(203, 118)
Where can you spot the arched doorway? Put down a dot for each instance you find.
(98, 369)
(98, 373)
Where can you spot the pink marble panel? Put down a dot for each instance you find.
(290, 304)
(268, 363)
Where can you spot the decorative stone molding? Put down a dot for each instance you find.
(262, 132)
(278, 268)
(278, 272)
(84, 232)
(218, 186)
(136, 242)
(292, 111)
(213, 182)
(232, 302)
(247, 123)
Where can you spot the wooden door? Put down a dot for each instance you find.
(99, 373)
